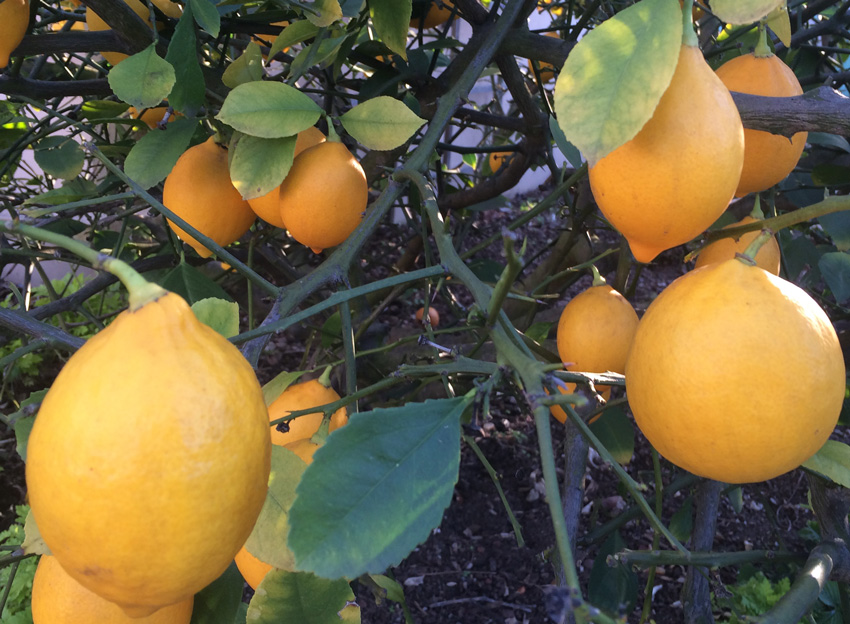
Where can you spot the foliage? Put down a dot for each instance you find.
(17, 609)
(755, 595)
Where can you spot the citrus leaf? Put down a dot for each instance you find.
(267, 541)
(142, 80)
(832, 461)
(187, 96)
(60, 157)
(780, 23)
(835, 268)
(218, 314)
(153, 156)
(682, 522)
(33, 543)
(259, 165)
(569, 150)
(736, 498)
(837, 226)
(206, 15)
(218, 602)
(392, 21)
(276, 386)
(324, 13)
(616, 432)
(377, 488)
(615, 76)
(102, 109)
(612, 588)
(327, 49)
(75, 190)
(298, 597)
(191, 284)
(382, 123)
(737, 12)
(22, 423)
(296, 32)
(247, 68)
(395, 591)
(271, 110)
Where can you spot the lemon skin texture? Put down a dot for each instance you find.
(199, 190)
(768, 256)
(302, 396)
(677, 175)
(735, 374)
(14, 19)
(768, 158)
(59, 599)
(149, 460)
(267, 207)
(324, 195)
(96, 22)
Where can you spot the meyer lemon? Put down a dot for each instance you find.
(323, 196)
(199, 190)
(768, 256)
(735, 374)
(59, 599)
(96, 22)
(497, 159)
(677, 175)
(14, 19)
(768, 158)
(302, 396)
(267, 207)
(149, 459)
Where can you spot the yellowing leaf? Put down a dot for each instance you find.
(743, 12)
(392, 21)
(382, 123)
(326, 12)
(779, 22)
(247, 68)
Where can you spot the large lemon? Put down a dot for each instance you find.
(768, 256)
(678, 174)
(302, 396)
(149, 459)
(735, 374)
(14, 19)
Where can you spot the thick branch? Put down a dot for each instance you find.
(820, 110)
(696, 599)
(21, 323)
(45, 89)
(130, 28)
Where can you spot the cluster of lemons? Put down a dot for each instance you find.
(733, 373)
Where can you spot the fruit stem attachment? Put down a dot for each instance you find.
(689, 35)
(325, 377)
(141, 291)
(757, 213)
(762, 49)
(753, 248)
(332, 134)
(598, 280)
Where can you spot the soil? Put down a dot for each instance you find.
(471, 569)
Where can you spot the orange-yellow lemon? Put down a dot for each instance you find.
(96, 22)
(14, 19)
(768, 256)
(302, 396)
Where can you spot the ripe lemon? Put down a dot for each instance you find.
(59, 599)
(302, 396)
(95, 21)
(768, 158)
(152, 116)
(676, 177)
(14, 19)
(735, 374)
(497, 159)
(269, 40)
(149, 460)
(547, 70)
(768, 256)
(595, 332)
(323, 196)
(433, 316)
(267, 207)
(199, 190)
(438, 13)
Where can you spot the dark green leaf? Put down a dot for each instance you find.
(832, 461)
(332, 330)
(142, 80)
(62, 160)
(298, 597)
(486, 270)
(612, 588)
(377, 488)
(829, 140)
(736, 498)
(682, 522)
(74, 190)
(23, 424)
(539, 332)
(392, 21)
(206, 15)
(395, 591)
(187, 96)
(837, 225)
(616, 432)
(154, 155)
(835, 268)
(218, 602)
(191, 284)
(827, 174)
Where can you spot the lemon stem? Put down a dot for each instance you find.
(325, 378)
(141, 291)
(598, 280)
(332, 134)
(689, 35)
(753, 248)
(757, 212)
(762, 48)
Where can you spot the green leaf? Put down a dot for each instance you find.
(569, 150)
(259, 165)
(102, 109)
(248, 67)
(271, 110)
(832, 461)
(187, 96)
(829, 174)
(382, 123)
(395, 591)
(316, 53)
(615, 76)
(780, 23)
(837, 226)
(332, 330)
(392, 22)
(539, 331)
(33, 543)
(142, 80)
(267, 541)
(206, 15)
(377, 488)
(75, 190)
(296, 32)
(298, 597)
(276, 386)
(737, 12)
(682, 522)
(154, 155)
(612, 588)
(60, 157)
(22, 423)
(324, 13)
(191, 284)
(218, 602)
(616, 432)
(835, 268)
(736, 498)
(219, 314)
